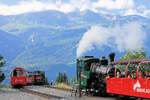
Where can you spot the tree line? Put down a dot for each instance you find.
(62, 78)
(2, 62)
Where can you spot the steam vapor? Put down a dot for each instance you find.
(129, 36)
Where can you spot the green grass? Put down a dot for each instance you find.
(5, 86)
(63, 85)
(1, 86)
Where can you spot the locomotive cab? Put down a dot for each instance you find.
(83, 68)
(92, 72)
(18, 77)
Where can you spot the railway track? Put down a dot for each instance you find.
(47, 95)
(63, 89)
(109, 97)
(74, 92)
(49, 92)
(44, 95)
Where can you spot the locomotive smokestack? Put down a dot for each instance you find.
(111, 57)
(103, 57)
(104, 61)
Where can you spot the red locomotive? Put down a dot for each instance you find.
(20, 77)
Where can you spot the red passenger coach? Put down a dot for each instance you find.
(30, 78)
(18, 77)
(133, 79)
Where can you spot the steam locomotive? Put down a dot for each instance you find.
(130, 77)
(92, 73)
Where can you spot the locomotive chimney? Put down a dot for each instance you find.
(111, 57)
(104, 61)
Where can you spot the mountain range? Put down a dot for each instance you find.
(48, 40)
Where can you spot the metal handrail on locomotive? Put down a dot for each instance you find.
(124, 77)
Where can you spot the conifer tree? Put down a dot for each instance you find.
(2, 62)
(65, 79)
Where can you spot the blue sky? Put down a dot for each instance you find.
(11, 2)
(119, 7)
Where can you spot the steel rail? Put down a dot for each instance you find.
(47, 96)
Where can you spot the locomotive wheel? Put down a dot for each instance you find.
(17, 86)
(139, 98)
(13, 86)
(119, 97)
(88, 92)
(123, 97)
(103, 93)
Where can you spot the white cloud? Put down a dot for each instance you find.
(130, 12)
(122, 7)
(81, 4)
(22, 7)
(141, 11)
(115, 4)
(32, 6)
(127, 37)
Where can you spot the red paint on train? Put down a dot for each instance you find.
(137, 87)
(18, 76)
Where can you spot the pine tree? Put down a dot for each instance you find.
(65, 78)
(2, 62)
(59, 78)
(62, 78)
(73, 80)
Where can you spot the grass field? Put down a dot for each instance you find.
(63, 85)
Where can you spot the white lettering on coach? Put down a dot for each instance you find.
(137, 88)
(136, 85)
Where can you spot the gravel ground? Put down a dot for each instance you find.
(12, 94)
(49, 91)
(66, 95)
(97, 98)
(109, 98)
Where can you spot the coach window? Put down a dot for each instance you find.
(118, 74)
(120, 71)
(131, 71)
(15, 73)
(144, 70)
(21, 73)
